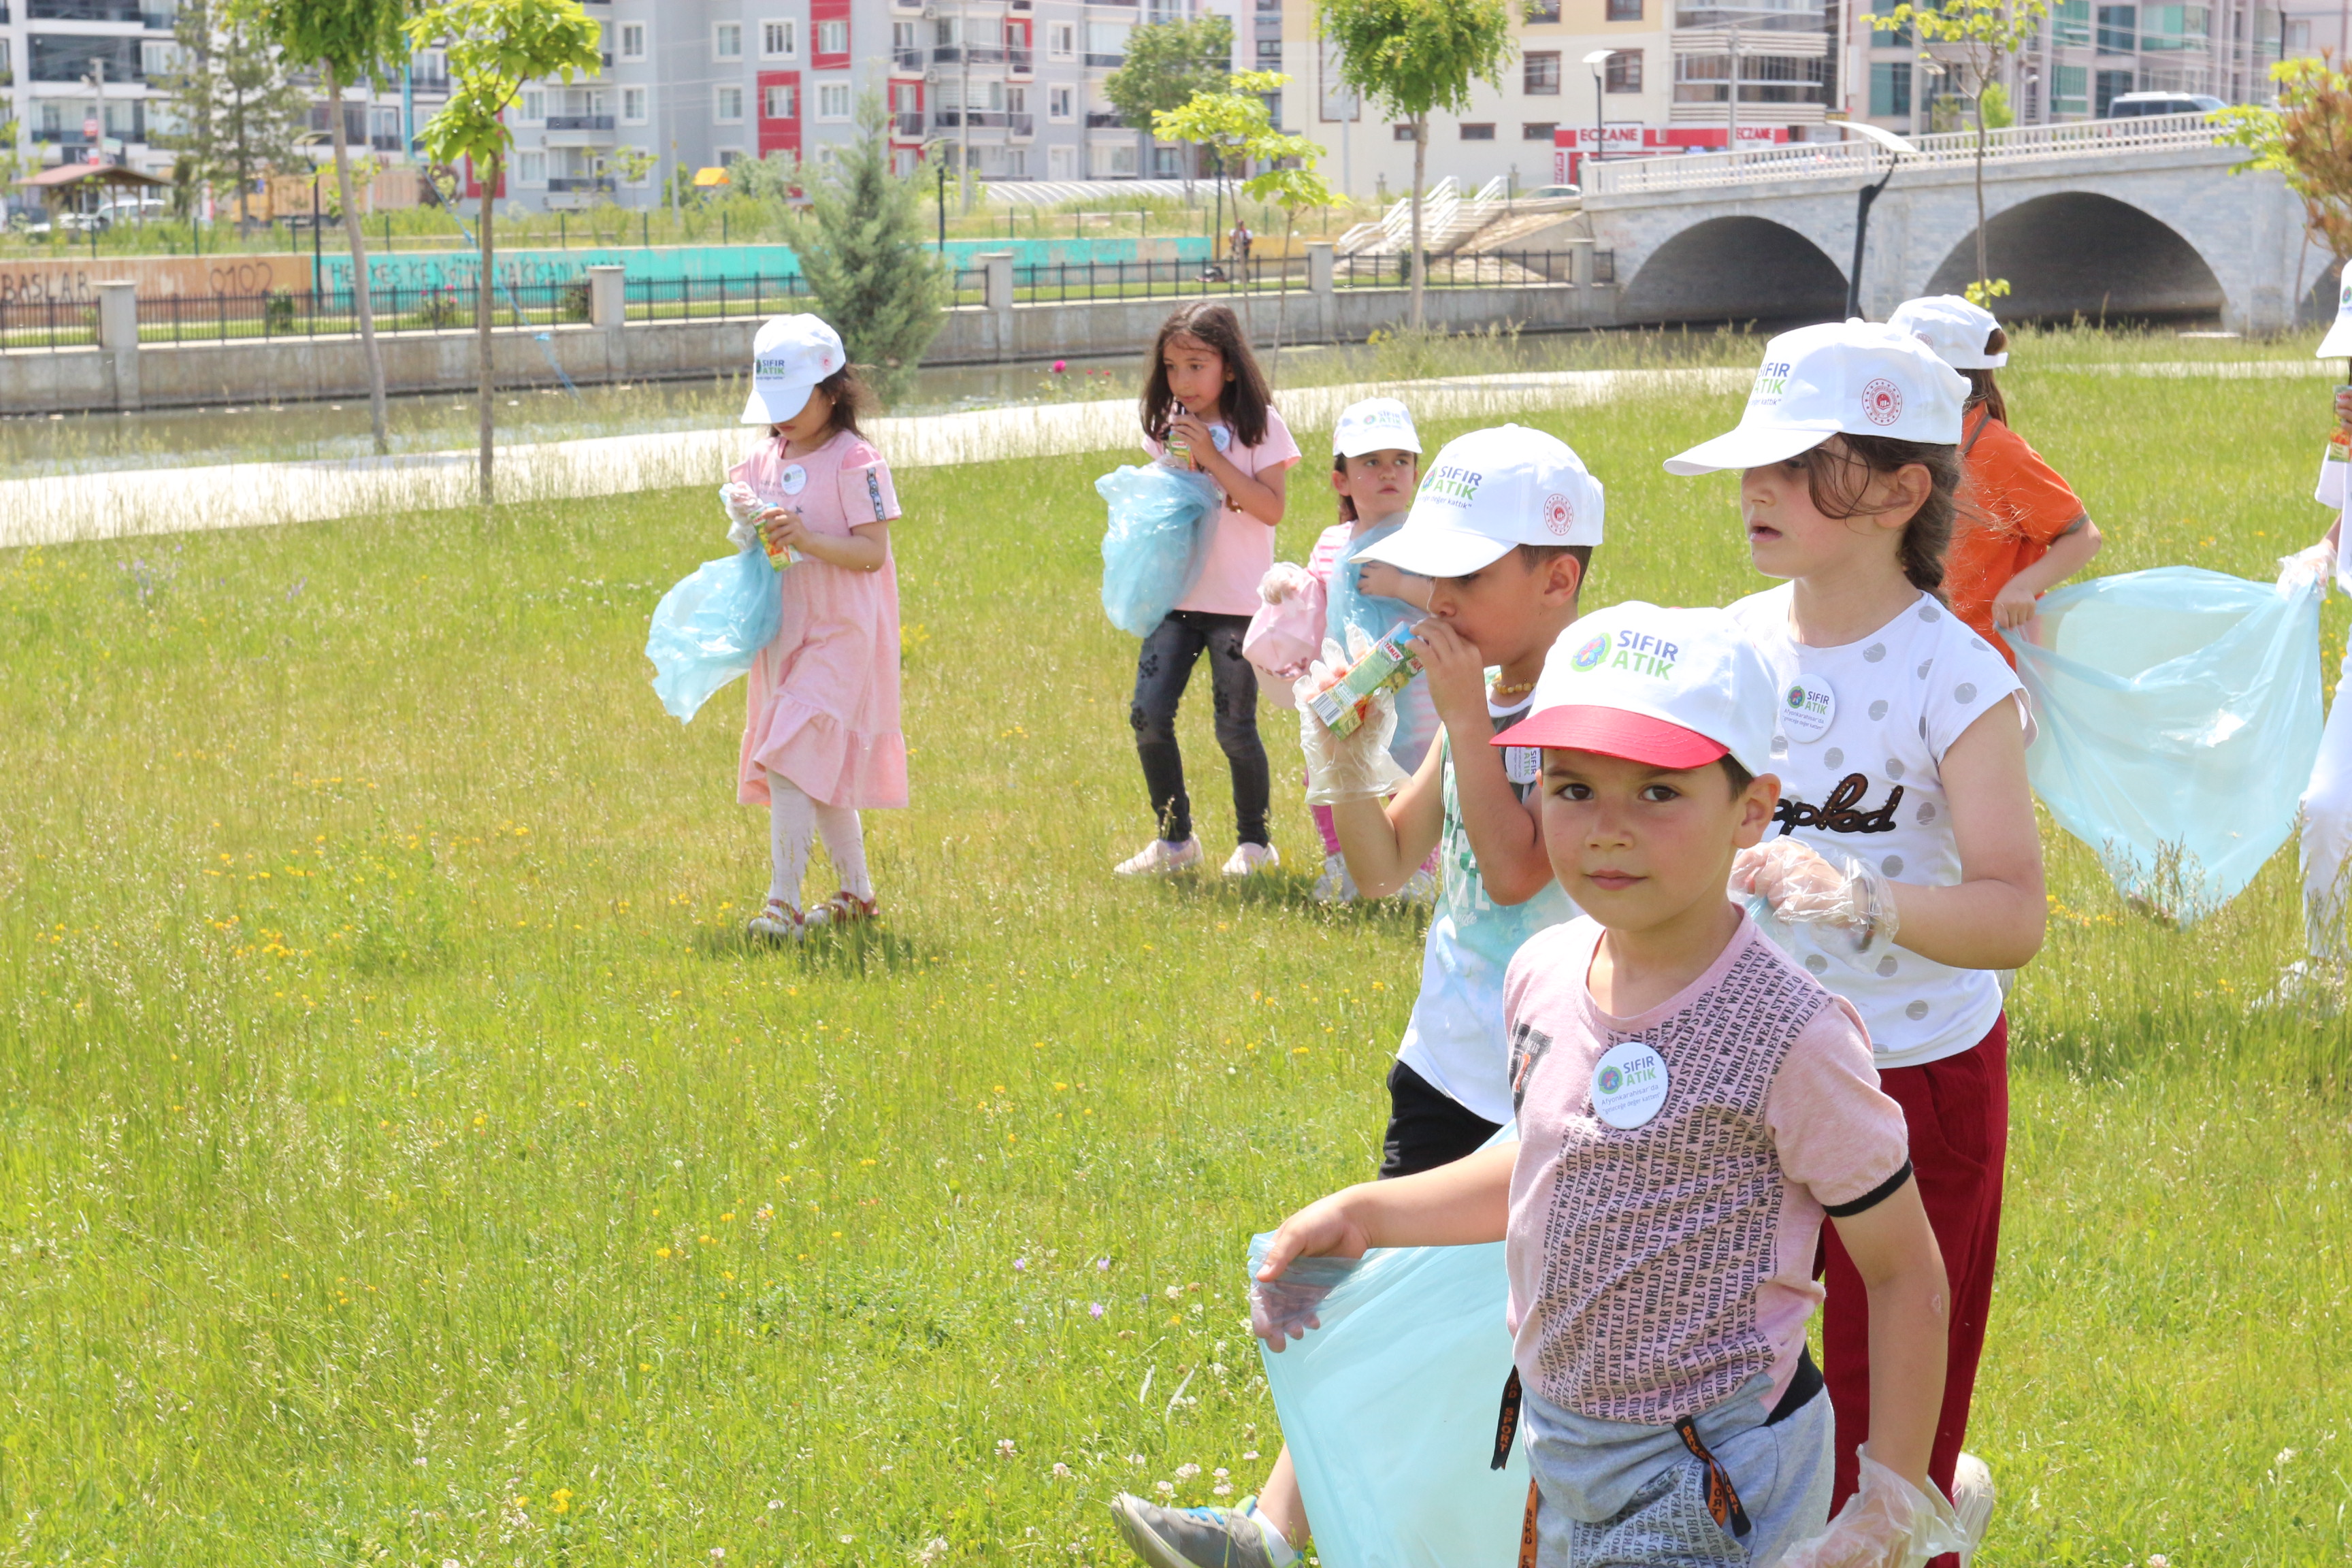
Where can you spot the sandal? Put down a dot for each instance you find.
(843, 908)
(778, 921)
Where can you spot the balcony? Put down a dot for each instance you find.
(907, 61)
(83, 10)
(1105, 119)
(907, 126)
(436, 82)
(579, 123)
(1111, 61)
(1023, 127)
(1018, 61)
(387, 142)
(559, 185)
(159, 21)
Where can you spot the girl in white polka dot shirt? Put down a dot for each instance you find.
(1904, 866)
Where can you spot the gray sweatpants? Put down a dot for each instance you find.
(1620, 1496)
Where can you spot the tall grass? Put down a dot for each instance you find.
(404, 1159)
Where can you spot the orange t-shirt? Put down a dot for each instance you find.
(2013, 507)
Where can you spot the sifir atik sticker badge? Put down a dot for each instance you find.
(1629, 1084)
(794, 479)
(1807, 707)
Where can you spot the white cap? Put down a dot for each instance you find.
(2338, 340)
(789, 357)
(1853, 377)
(1486, 492)
(1673, 687)
(1957, 329)
(1375, 424)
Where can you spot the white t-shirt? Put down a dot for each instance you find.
(2333, 495)
(1454, 1037)
(1869, 783)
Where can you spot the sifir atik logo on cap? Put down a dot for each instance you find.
(1771, 382)
(1644, 653)
(1590, 655)
(1453, 482)
(1882, 402)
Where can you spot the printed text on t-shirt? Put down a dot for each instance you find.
(1837, 813)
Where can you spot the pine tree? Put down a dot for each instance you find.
(234, 114)
(861, 247)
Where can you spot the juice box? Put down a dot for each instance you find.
(2340, 440)
(1386, 666)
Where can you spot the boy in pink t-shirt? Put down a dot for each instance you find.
(1690, 1105)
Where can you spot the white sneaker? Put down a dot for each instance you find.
(2307, 985)
(777, 922)
(1160, 859)
(1421, 887)
(1972, 1499)
(1335, 886)
(1249, 859)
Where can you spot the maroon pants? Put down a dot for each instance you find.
(1958, 1112)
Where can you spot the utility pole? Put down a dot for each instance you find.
(963, 109)
(1731, 114)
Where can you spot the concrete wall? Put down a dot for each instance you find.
(289, 370)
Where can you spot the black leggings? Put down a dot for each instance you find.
(1162, 672)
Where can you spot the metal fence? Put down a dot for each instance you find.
(1087, 283)
(713, 299)
(48, 324)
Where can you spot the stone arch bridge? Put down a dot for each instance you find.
(2137, 218)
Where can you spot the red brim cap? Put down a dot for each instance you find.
(1614, 732)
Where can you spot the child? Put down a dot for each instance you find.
(1505, 522)
(2326, 841)
(1690, 1104)
(1204, 396)
(822, 737)
(1375, 465)
(2021, 532)
(1904, 816)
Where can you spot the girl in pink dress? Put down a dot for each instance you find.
(820, 740)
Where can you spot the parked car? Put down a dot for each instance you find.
(1550, 194)
(2139, 105)
(128, 208)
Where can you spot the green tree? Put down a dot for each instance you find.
(1415, 58)
(860, 244)
(1978, 37)
(493, 47)
(233, 112)
(348, 42)
(2307, 138)
(1293, 186)
(1229, 120)
(1167, 65)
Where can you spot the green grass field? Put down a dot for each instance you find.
(406, 1161)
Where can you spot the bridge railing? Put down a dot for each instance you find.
(1864, 160)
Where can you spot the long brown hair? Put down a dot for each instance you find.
(851, 398)
(1838, 473)
(1246, 401)
(1981, 388)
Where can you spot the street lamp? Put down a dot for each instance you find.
(1593, 62)
(1863, 197)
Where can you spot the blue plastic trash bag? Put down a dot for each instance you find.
(1390, 1408)
(709, 629)
(2180, 717)
(1156, 544)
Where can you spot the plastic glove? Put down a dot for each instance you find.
(1802, 886)
(1887, 1523)
(2306, 569)
(1283, 1308)
(743, 509)
(1284, 580)
(1356, 765)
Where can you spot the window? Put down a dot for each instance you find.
(161, 56)
(1900, 37)
(1624, 10)
(1542, 11)
(2298, 37)
(780, 103)
(534, 107)
(1404, 133)
(632, 40)
(779, 40)
(1058, 102)
(1270, 54)
(1484, 132)
(832, 100)
(727, 105)
(1623, 71)
(531, 168)
(1114, 161)
(1106, 43)
(1016, 99)
(832, 37)
(1537, 130)
(632, 106)
(1539, 72)
(1062, 40)
(726, 41)
(2106, 86)
(1890, 88)
(2070, 90)
(2118, 26)
(2069, 22)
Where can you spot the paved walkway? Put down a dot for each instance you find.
(63, 509)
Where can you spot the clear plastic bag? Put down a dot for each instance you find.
(1286, 634)
(1156, 544)
(1356, 764)
(1388, 1407)
(2180, 715)
(707, 630)
(1887, 1524)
